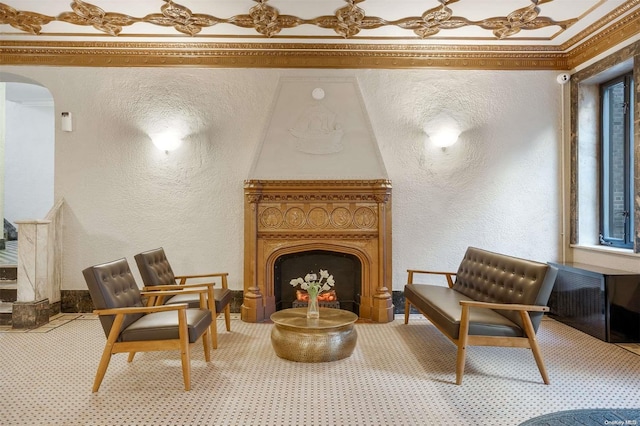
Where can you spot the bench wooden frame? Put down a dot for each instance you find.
(464, 339)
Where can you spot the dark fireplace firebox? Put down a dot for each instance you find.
(345, 268)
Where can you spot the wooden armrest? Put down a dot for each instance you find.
(156, 293)
(213, 274)
(170, 287)
(183, 278)
(140, 309)
(419, 271)
(504, 306)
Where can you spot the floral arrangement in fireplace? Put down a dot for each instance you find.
(314, 285)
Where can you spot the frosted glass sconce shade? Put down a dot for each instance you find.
(166, 142)
(444, 138)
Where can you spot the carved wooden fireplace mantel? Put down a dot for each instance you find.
(282, 217)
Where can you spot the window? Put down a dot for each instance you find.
(616, 162)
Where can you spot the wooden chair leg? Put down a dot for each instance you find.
(463, 337)
(214, 333)
(407, 309)
(207, 346)
(227, 317)
(131, 355)
(102, 367)
(214, 317)
(407, 304)
(535, 348)
(108, 350)
(184, 348)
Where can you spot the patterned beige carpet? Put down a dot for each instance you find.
(398, 375)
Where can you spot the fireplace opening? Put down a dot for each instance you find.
(345, 268)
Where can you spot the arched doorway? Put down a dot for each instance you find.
(27, 143)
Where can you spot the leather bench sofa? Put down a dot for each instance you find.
(492, 300)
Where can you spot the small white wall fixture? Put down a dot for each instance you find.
(444, 137)
(66, 123)
(443, 131)
(167, 141)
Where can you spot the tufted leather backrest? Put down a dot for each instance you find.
(112, 285)
(154, 268)
(491, 277)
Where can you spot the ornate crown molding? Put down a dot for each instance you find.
(277, 56)
(618, 32)
(583, 47)
(347, 21)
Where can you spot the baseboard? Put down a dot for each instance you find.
(79, 301)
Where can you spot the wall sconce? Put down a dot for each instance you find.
(444, 138)
(166, 141)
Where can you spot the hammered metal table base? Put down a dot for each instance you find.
(329, 338)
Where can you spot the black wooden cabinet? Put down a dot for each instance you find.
(602, 302)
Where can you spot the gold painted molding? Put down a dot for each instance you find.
(275, 55)
(316, 55)
(620, 31)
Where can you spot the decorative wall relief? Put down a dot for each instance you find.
(285, 217)
(316, 129)
(295, 217)
(271, 218)
(341, 217)
(365, 218)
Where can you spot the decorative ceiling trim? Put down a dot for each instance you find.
(318, 55)
(601, 23)
(348, 21)
(274, 56)
(618, 32)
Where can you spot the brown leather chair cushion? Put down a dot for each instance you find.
(442, 306)
(155, 268)
(164, 325)
(111, 285)
(492, 277)
(222, 298)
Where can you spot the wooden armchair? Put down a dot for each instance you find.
(132, 327)
(157, 274)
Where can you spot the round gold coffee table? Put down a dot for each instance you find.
(328, 338)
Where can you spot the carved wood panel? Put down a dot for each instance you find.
(284, 217)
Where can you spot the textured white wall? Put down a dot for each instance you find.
(496, 188)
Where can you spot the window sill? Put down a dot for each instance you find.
(606, 249)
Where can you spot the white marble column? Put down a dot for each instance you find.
(33, 260)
